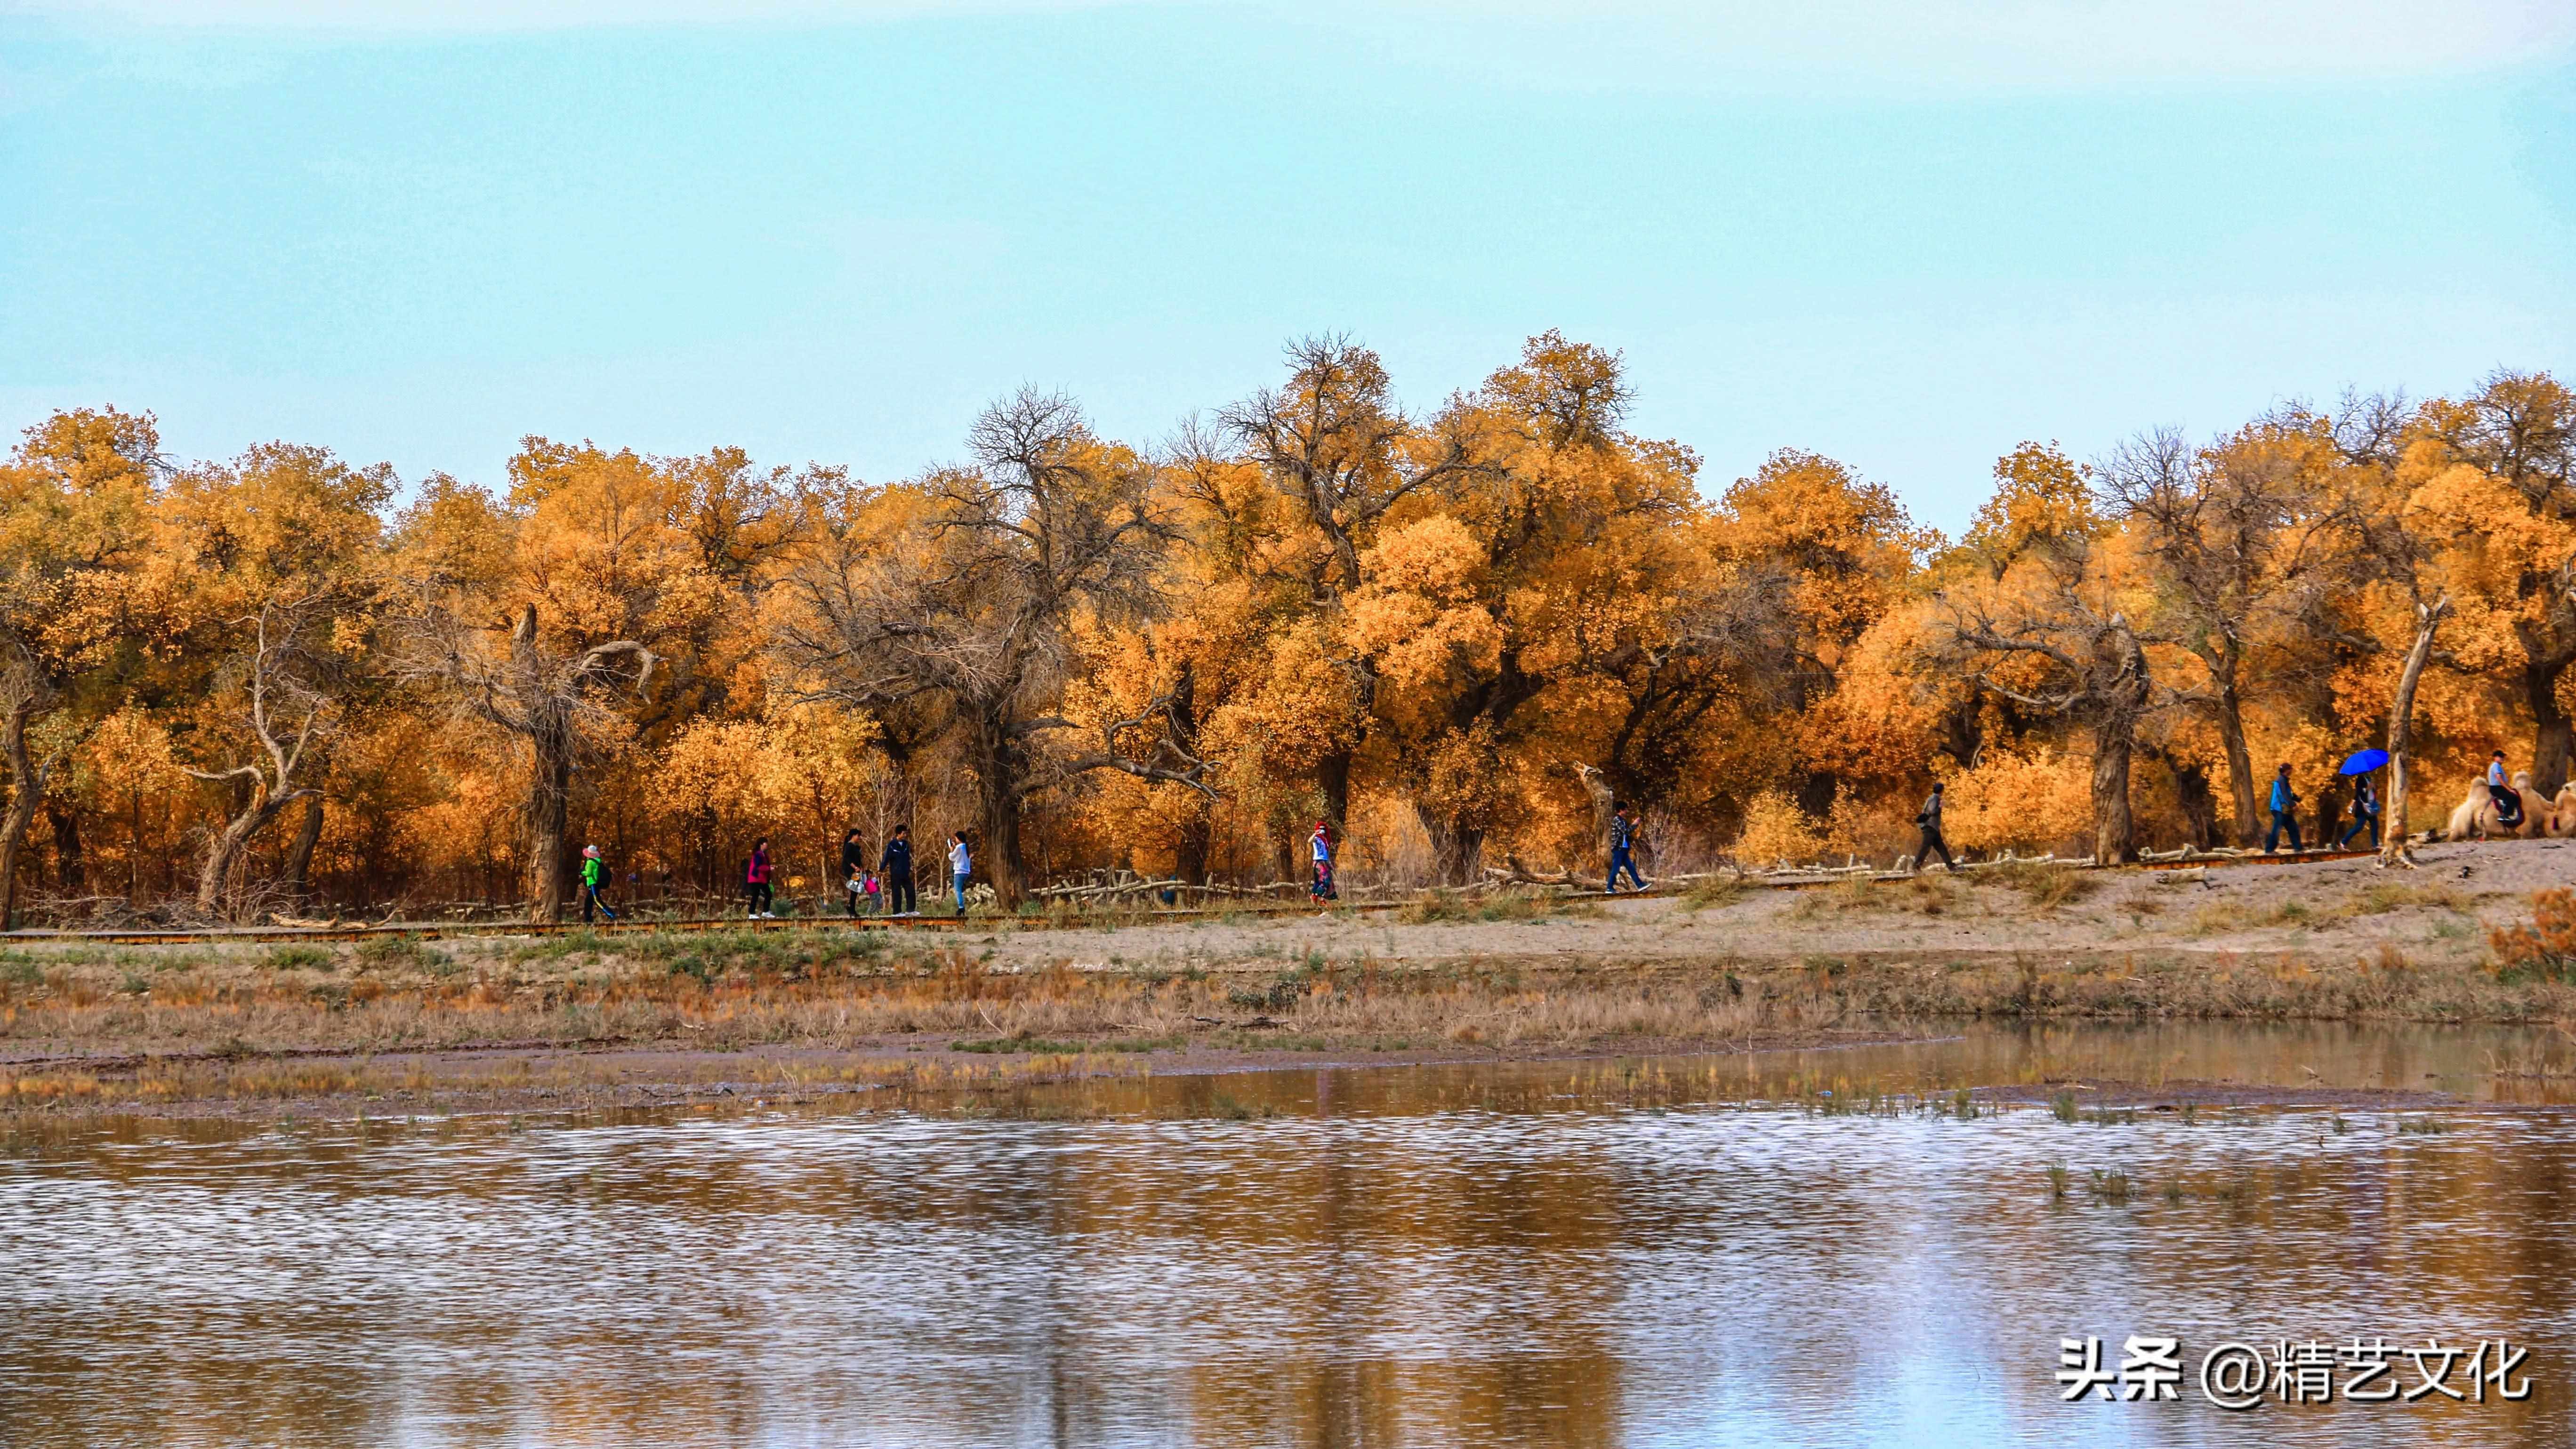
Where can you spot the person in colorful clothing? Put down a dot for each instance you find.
(593, 871)
(2285, 814)
(854, 870)
(1319, 850)
(755, 882)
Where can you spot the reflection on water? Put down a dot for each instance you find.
(1391, 1256)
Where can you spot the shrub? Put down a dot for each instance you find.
(2036, 801)
(2046, 886)
(2545, 948)
(1776, 830)
(397, 951)
(288, 958)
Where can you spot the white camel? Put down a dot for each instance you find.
(2478, 816)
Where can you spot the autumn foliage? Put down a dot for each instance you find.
(286, 683)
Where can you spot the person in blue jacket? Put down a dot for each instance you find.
(1623, 845)
(2285, 813)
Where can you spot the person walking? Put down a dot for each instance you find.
(1932, 843)
(854, 865)
(1319, 851)
(2285, 814)
(896, 865)
(755, 881)
(1623, 845)
(593, 870)
(959, 866)
(2365, 813)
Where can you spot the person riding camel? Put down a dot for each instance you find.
(2508, 800)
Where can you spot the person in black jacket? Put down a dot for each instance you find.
(854, 863)
(1930, 820)
(897, 865)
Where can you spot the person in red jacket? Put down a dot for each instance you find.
(755, 881)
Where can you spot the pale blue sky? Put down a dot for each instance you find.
(1908, 236)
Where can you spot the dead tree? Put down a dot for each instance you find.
(26, 695)
(265, 784)
(2401, 716)
(545, 695)
(967, 615)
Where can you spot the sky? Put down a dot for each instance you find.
(1907, 235)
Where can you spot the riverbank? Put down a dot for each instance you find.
(395, 1025)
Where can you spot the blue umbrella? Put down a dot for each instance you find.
(2364, 762)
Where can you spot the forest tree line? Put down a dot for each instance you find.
(286, 682)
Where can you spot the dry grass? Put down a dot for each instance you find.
(1505, 905)
(1922, 895)
(2223, 918)
(1715, 893)
(2045, 887)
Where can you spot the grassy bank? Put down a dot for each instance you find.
(1724, 969)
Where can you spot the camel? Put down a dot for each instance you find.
(2477, 814)
(2562, 812)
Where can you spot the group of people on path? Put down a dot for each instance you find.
(1623, 856)
(2283, 805)
(888, 882)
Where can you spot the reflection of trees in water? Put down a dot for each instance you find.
(1434, 1256)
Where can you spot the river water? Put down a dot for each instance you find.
(1679, 1251)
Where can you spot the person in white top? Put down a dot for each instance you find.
(959, 867)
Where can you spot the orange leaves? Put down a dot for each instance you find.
(2042, 499)
(1418, 613)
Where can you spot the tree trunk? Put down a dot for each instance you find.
(2124, 696)
(27, 786)
(1333, 778)
(2401, 714)
(1457, 845)
(1190, 852)
(2199, 806)
(2240, 763)
(299, 856)
(2114, 835)
(217, 872)
(2552, 739)
(549, 790)
(994, 754)
(68, 867)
